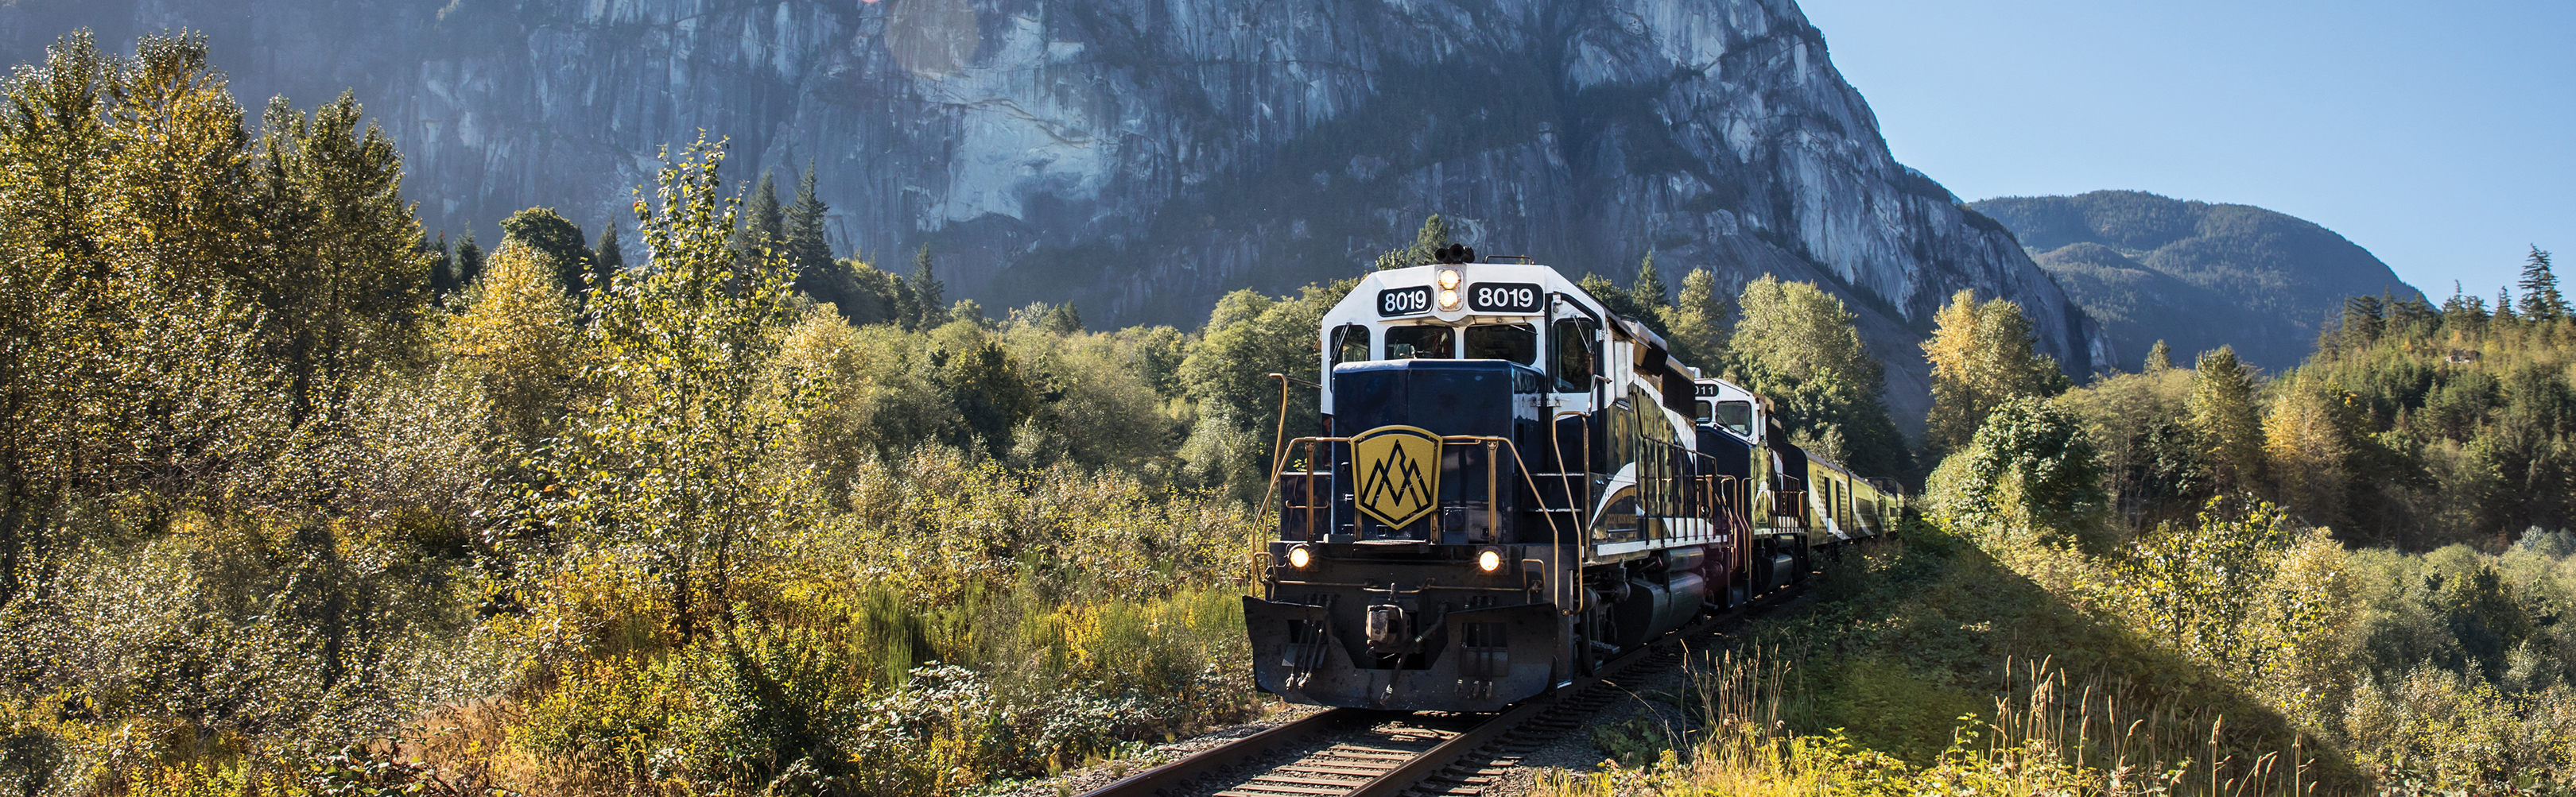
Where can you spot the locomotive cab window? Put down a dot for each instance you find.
(1571, 362)
(1703, 412)
(1737, 416)
(1422, 342)
(1515, 342)
(1350, 343)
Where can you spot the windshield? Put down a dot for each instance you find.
(1350, 343)
(1515, 342)
(1737, 416)
(1423, 342)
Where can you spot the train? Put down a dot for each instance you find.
(1510, 486)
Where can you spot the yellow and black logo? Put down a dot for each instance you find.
(1398, 470)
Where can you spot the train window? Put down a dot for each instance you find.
(1703, 412)
(1350, 343)
(1573, 362)
(1515, 342)
(1421, 342)
(1736, 415)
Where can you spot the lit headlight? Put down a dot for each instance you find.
(1448, 278)
(1298, 557)
(1448, 299)
(1489, 560)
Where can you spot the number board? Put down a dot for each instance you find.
(1394, 302)
(1704, 388)
(1518, 298)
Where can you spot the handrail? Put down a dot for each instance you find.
(1556, 535)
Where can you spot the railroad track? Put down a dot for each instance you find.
(1389, 753)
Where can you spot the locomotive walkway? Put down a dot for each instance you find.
(1368, 753)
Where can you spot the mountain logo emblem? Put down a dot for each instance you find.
(1397, 469)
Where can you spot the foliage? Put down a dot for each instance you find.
(1433, 236)
(2030, 474)
(1796, 344)
(556, 239)
(1982, 355)
(1248, 337)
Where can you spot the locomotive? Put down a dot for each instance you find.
(1512, 485)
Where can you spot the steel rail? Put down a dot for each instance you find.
(1179, 773)
(1177, 777)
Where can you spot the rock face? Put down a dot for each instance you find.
(2194, 274)
(1140, 157)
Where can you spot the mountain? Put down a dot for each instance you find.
(2194, 274)
(1141, 157)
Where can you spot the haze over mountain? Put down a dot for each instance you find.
(1141, 158)
(2195, 274)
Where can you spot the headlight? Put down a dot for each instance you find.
(1448, 279)
(1448, 299)
(1489, 560)
(1299, 556)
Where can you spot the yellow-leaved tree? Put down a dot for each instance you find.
(1982, 355)
(517, 346)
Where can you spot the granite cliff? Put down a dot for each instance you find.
(1139, 157)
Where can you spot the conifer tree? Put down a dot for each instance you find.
(608, 258)
(1433, 235)
(764, 224)
(442, 269)
(2540, 299)
(929, 298)
(1695, 323)
(2361, 319)
(805, 238)
(1648, 288)
(558, 239)
(2160, 358)
(2504, 305)
(469, 262)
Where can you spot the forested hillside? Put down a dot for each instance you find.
(2199, 275)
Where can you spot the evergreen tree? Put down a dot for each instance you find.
(549, 235)
(1433, 235)
(817, 274)
(608, 258)
(1618, 300)
(469, 261)
(2361, 319)
(2160, 358)
(442, 269)
(2504, 305)
(2540, 299)
(1696, 322)
(764, 224)
(805, 236)
(1648, 288)
(928, 293)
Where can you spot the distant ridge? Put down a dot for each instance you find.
(2194, 274)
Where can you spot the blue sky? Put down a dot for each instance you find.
(2440, 136)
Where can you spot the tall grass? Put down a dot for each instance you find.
(2050, 733)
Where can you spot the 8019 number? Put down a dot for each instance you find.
(1504, 297)
(1403, 301)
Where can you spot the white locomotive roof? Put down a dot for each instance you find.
(1367, 303)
